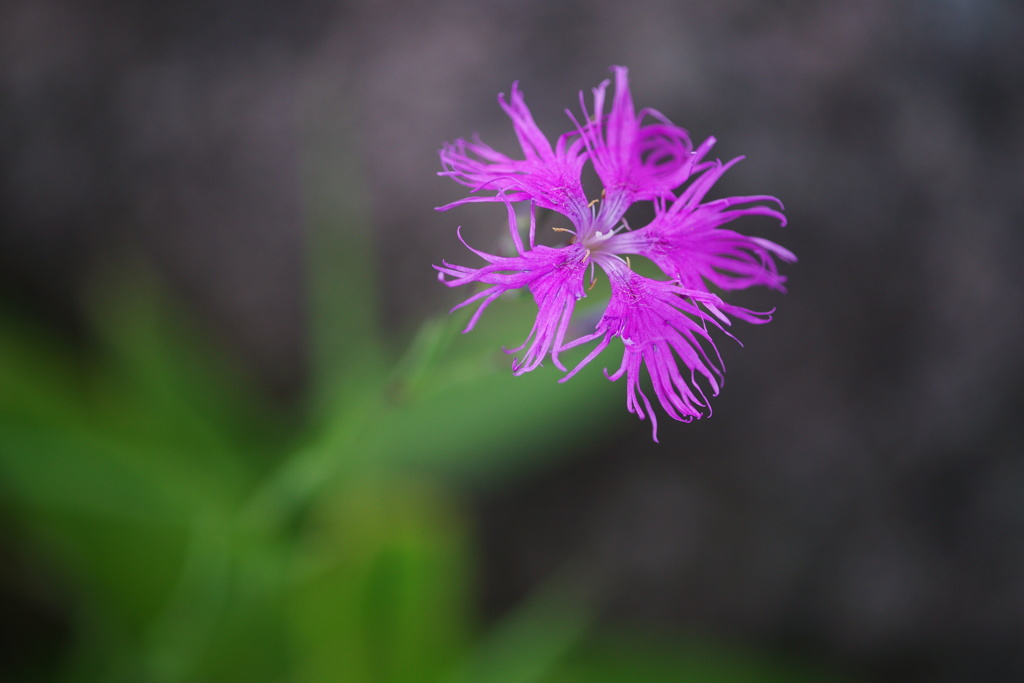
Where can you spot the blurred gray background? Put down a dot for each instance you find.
(857, 498)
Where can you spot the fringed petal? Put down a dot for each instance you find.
(548, 176)
(554, 278)
(686, 239)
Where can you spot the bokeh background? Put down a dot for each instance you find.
(856, 503)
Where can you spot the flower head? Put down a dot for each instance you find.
(664, 325)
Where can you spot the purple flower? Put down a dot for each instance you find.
(664, 325)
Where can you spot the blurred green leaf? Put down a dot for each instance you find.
(41, 382)
(461, 409)
(528, 644)
(159, 378)
(452, 408)
(248, 632)
(124, 460)
(74, 474)
(379, 590)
